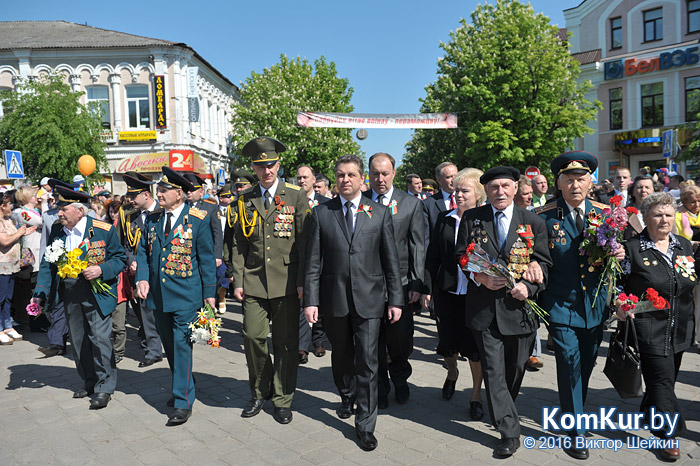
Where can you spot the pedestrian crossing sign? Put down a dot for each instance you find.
(221, 178)
(13, 164)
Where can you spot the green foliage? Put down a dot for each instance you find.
(689, 133)
(513, 85)
(271, 100)
(45, 120)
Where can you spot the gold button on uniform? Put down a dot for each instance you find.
(268, 237)
(164, 280)
(583, 288)
(268, 248)
(583, 276)
(268, 259)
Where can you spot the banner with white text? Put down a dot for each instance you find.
(377, 120)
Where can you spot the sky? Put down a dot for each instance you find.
(387, 49)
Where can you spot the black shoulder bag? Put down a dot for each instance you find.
(623, 366)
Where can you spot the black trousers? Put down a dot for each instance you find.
(503, 359)
(312, 336)
(354, 364)
(660, 374)
(396, 340)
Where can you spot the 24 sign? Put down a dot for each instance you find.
(182, 160)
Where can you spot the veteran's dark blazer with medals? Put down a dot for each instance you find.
(180, 268)
(268, 247)
(526, 242)
(101, 247)
(214, 218)
(570, 293)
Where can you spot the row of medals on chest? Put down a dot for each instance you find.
(179, 260)
(284, 223)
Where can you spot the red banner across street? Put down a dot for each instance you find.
(377, 120)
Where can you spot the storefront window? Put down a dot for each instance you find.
(653, 104)
(137, 103)
(616, 33)
(616, 108)
(98, 102)
(653, 25)
(693, 16)
(692, 98)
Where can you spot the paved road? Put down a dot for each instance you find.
(41, 424)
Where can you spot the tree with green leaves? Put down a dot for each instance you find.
(513, 84)
(271, 100)
(45, 121)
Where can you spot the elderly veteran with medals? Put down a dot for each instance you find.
(176, 275)
(503, 325)
(576, 314)
(89, 312)
(268, 273)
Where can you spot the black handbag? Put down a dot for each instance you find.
(623, 366)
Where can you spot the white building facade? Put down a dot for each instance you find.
(643, 58)
(160, 102)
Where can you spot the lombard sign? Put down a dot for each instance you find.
(618, 69)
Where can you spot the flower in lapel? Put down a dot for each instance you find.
(366, 209)
(279, 202)
(394, 207)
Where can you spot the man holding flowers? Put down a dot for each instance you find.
(573, 297)
(81, 264)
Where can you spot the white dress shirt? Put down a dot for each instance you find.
(176, 214)
(272, 189)
(355, 204)
(387, 196)
(462, 281)
(508, 212)
(447, 199)
(74, 236)
(572, 211)
(144, 213)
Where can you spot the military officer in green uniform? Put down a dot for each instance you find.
(268, 271)
(176, 275)
(576, 311)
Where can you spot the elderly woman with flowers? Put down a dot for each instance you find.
(661, 265)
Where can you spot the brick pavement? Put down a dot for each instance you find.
(41, 424)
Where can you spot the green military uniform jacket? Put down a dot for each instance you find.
(268, 247)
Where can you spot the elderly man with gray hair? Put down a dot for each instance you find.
(89, 312)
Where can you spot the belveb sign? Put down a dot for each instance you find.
(618, 69)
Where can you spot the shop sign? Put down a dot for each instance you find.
(152, 162)
(159, 101)
(186, 161)
(618, 69)
(138, 136)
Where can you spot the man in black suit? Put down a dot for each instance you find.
(352, 269)
(409, 224)
(502, 324)
(443, 199)
(196, 199)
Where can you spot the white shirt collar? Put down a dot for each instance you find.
(581, 206)
(152, 208)
(387, 195)
(272, 189)
(78, 229)
(177, 211)
(355, 202)
(508, 211)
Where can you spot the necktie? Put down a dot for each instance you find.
(380, 199)
(502, 230)
(348, 217)
(453, 204)
(267, 200)
(168, 224)
(579, 220)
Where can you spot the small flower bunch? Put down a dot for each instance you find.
(657, 301)
(54, 251)
(33, 309)
(464, 259)
(69, 265)
(632, 305)
(205, 328)
(628, 302)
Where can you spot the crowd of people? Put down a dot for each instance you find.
(344, 267)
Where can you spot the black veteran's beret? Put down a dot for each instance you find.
(65, 196)
(509, 173)
(173, 180)
(263, 150)
(574, 163)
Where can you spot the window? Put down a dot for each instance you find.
(616, 108)
(98, 102)
(137, 103)
(692, 98)
(3, 90)
(693, 16)
(616, 33)
(653, 25)
(653, 104)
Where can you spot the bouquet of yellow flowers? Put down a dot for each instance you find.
(69, 265)
(205, 328)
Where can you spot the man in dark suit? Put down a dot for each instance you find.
(443, 199)
(132, 223)
(352, 269)
(89, 313)
(176, 277)
(503, 326)
(409, 224)
(196, 199)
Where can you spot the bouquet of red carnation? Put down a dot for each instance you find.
(602, 237)
(476, 260)
(632, 305)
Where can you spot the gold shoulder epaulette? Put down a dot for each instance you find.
(600, 205)
(200, 214)
(102, 225)
(546, 208)
(292, 186)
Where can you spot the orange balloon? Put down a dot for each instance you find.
(86, 165)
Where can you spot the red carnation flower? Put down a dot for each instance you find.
(652, 294)
(615, 201)
(632, 210)
(464, 260)
(470, 248)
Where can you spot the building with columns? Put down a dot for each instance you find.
(643, 58)
(161, 103)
